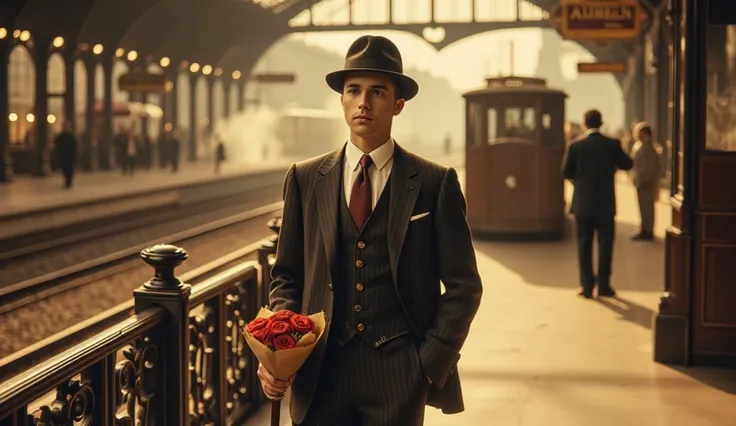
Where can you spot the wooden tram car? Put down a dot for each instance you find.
(514, 151)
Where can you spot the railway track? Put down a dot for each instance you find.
(24, 293)
(33, 257)
(33, 311)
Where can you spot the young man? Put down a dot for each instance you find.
(368, 231)
(590, 164)
(645, 177)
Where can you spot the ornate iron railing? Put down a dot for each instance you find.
(180, 360)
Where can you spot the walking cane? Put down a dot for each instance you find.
(275, 413)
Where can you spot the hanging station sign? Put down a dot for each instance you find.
(138, 81)
(599, 20)
(602, 67)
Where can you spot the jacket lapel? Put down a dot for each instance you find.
(404, 189)
(327, 194)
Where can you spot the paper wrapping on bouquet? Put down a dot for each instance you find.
(282, 364)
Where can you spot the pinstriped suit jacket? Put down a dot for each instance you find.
(422, 252)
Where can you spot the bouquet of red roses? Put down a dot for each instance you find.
(283, 330)
(282, 341)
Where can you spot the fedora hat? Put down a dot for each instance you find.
(375, 54)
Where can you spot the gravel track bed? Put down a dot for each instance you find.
(30, 324)
(36, 265)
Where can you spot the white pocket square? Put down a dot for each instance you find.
(419, 216)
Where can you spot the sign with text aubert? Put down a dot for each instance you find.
(593, 67)
(601, 20)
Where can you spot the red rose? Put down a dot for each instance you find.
(262, 336)
(282, 315)
(276, 328)
(284, 341)
(302, 324)
(256, 324)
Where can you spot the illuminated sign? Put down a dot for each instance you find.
(601, 20)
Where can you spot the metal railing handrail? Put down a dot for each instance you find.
(24, 388)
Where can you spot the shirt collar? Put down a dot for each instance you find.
(591, 131)
(380, 155)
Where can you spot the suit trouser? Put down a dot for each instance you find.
(586, 228)
(647, 197)
(360, 385)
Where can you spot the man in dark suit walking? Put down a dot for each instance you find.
(368, 232)
(591, 164)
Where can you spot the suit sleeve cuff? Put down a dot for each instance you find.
(437, 360)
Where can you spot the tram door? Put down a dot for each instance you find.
(511, 166)
(552, 150)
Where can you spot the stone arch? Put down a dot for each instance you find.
(80, 93)
(56, 79)
(218, 98)
(22, 92)
(119, 67)
(201, 113)
(184, 97)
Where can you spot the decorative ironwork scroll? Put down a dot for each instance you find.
(136, 379)
(202, 344)
(237, 363)
(74, 406)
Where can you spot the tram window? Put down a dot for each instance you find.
(519, 123)
(721, 78)
(546, 121)
(475, 124)
(492, 125)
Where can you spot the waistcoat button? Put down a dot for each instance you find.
(360, 327)
(359, 264)
(361, 245)
(359, 287)
(357, 308)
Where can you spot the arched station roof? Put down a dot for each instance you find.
(226, 33)
(197, 31)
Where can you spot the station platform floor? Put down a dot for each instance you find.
(538, 355)
(27, 193)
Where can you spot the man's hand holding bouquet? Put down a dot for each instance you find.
(281, 341)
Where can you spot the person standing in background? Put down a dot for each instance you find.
(590, 164)
(645, 177)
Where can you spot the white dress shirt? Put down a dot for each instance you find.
(378, 172)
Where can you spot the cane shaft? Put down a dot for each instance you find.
(275, 413)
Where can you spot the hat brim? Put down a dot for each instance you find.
(409, 88)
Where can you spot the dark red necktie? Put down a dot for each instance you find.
(360, 199)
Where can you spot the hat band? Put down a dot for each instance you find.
(373, 63)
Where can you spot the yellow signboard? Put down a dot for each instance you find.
(142, 82)
(601, 20)
(592, 67)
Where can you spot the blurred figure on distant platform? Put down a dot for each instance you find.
(645, 175)
(66, 149)
(173, 147)
(219, 154)
(131, 152)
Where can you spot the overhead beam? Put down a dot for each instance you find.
(294, 8)
(472, 27)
